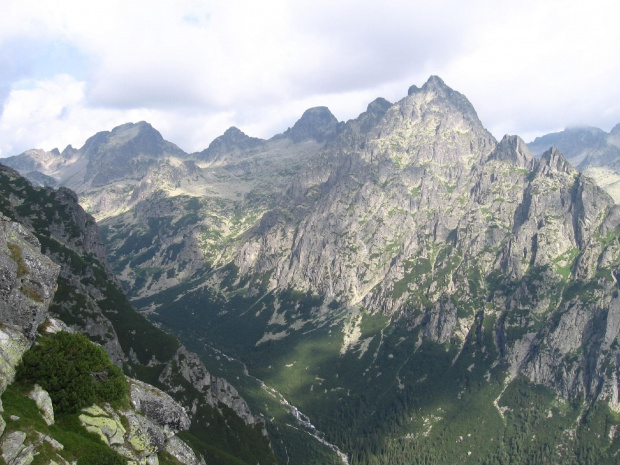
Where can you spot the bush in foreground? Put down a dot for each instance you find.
(75, 372)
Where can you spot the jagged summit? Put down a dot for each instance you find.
(232, 141)
(432, 124)
(68, 151)
(30, 160)
(514, 150)
(130, 139)
(316, 123)
(126, 150)
(379, 105)
(433, 83)
(557, 161)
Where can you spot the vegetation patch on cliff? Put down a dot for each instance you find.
(75, 372)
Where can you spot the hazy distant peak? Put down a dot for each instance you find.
(129, 125)
(235, 135)
(233, 130)
(576, 142)
(316, 123)
(436, 83)
(140, 129)
(233, 140)
(379, 105)
(127, 150)
(321, 111)
(68, 151)
(142, 137)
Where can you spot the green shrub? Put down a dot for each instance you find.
(75, 372)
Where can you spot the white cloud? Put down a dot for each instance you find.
(192, 68)
(543, 67)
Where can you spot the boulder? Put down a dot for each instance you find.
(13, 344)
(182, 452)
(158, 407)
(44, 403)
(15, 451)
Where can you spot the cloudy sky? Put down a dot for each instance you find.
(193, 68)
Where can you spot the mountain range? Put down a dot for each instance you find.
(422, 292)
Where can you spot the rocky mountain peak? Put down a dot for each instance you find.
(555, 160)
(234, 133)
(126, 150)
(437, 90)
(316, 123)
(433, 124)
(512, 149)
(68, 151)
(141, 131)
(615, 131)
(378, 106)
(132, 139)
(433, 83)
(34, 160)
(436, 83)
(232, 141)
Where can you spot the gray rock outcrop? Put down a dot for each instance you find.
(402, 222)
(13, 345)
(188, 366)
(14, 449)
(44, 403)
(158, 407)
(27, 278)
(182, 452)
(137, 437)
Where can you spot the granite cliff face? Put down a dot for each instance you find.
(28, 279)
(436, 225)
(27, 283)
